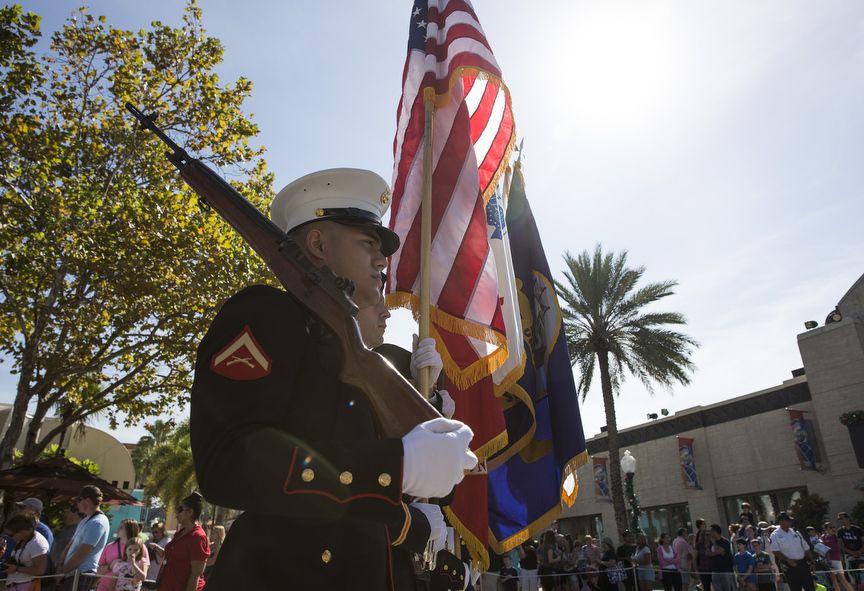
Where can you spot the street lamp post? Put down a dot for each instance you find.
(628, 465)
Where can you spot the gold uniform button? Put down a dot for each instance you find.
(384, 479)
(346, 478)
(307, 475)
(326, 556)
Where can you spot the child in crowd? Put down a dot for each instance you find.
(130, 573)
(509, 575)
(763, 567)
(745, 565)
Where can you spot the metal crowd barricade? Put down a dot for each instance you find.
(489, 580)
(79, 582)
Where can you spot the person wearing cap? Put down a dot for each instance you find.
(792, 553)
(35, 506)
(274, 432)
(90, 538)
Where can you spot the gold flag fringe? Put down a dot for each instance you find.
(544, 521)
(465, 377)
(491, 447)
(476, 548)
(570, 468)
(511, 378)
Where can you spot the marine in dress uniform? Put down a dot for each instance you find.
(449, 573)
(274, 433)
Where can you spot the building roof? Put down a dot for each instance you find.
(794, 391)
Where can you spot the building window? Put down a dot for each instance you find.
(584, 524)
(113, 483)
(125, 485)
(764, 505)
(664, 519)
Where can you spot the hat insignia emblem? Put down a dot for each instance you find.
(319, 212)
(385, 197)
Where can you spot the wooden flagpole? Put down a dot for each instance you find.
(426, 237)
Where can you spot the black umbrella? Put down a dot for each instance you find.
(58, 479)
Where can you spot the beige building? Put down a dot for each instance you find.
(744, 448)
(115, 463)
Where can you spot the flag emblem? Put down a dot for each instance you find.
(241, 359)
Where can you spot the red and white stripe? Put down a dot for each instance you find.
(473, 132)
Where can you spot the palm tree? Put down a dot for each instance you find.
(142, 455)
(172, 471)
(606, 323)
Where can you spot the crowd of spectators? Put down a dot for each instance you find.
(746, 556)
(81, 557)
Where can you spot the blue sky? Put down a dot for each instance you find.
(720, 143)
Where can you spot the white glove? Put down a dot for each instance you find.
(425, 355)
(437, 525)
(448, 405)
(471, 575)
(436, 454)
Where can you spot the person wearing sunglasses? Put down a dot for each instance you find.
(186, 554)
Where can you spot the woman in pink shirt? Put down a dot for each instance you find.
(670, 564)
(829, 538)
(115, 553)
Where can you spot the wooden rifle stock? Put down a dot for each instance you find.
(396, 405)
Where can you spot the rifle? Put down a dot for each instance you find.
(396, 405)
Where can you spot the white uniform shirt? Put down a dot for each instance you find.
(790, 543)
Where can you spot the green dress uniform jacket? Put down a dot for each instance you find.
(274, 433)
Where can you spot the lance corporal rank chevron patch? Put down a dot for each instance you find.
(242, 358)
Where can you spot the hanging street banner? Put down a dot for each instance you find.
(601, 478)
(802, 437)
(689, 476)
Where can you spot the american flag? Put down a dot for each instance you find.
(449, 59)
(474, 312)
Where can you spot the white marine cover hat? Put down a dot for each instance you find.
(349, 196)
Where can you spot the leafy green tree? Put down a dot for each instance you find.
(109, 270)
(52, 450)
(607, 327)
(809, 510)
(172, 471)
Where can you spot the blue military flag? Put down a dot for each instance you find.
(530, 477)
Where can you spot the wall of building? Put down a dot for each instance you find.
(834, 359)
(747, 455)
(754, 452)
(115, 462)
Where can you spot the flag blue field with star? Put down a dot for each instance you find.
(531, 476)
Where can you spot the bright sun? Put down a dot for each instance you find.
(623, 67)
